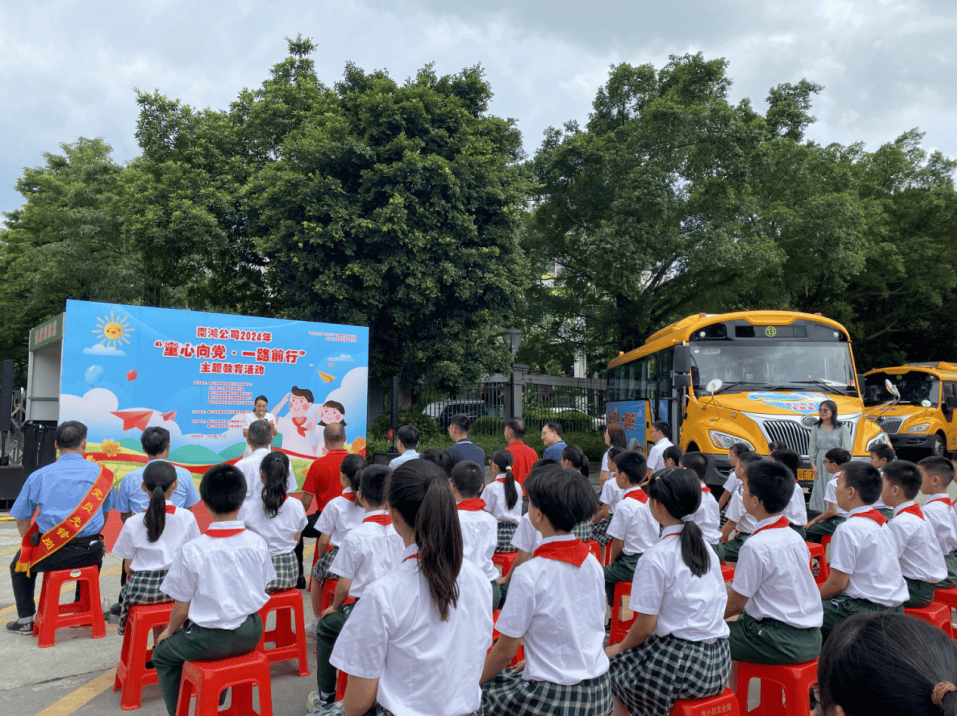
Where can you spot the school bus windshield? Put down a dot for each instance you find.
(914, 387)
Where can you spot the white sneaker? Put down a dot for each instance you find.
(315, 701)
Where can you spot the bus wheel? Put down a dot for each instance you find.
(937, 447)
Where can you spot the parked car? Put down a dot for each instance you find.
(443, 410)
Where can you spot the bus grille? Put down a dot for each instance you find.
(790, 433)
(891, 425)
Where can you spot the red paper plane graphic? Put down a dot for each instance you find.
(134, 418)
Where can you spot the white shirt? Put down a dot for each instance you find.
(708, 517)
(249, 466)
(149, 556)
(742, 518)
(656, 460)
(339, 517)
(404, 457)
(559, 609)
(796, 509)
(367, 552)
(424, 665)
(279, 531)
(604, 461)
(941, 517)
(495, 504)
(917, 549)
(732, 483)
(610, 494)
(479, 539)
(633, 524)
(830, 495)
(687, 606)
(868, 554)
(251, 418)
(526, 537)
(773, 571)
(223, 579)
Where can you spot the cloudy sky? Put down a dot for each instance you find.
(69, 68)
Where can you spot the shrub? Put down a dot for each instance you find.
(428, 428)
(487, 425)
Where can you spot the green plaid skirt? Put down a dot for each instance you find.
(141, 588)
(338, 709)
(287, 572)
(506, 530)
(599, 531)
(320, 571)
(509, 694)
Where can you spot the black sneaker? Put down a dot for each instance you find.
(18, 628)
(301, 583)
(116, 609)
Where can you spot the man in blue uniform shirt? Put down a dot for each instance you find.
(463, 449)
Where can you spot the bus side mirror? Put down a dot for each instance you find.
(681, 362)
(682, 381)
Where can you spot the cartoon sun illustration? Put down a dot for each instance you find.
(112, 331)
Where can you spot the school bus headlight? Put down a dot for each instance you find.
(919, 428)
(725, 441)
(880, 439)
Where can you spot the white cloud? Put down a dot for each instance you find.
(99, 349)
(341, 358)
(352, 394)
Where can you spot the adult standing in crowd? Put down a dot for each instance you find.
(523, 455)
(463, 449)
(69, 500)
(552, 437)
(827, 433)
(407, 442)
(661, 437)
(614, 437)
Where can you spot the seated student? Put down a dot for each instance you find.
(678, 646)
(555, 605)
(887, 664)
(708, 515)
(922, 563)
(407, 440)
(149, 543)
(796, 509)
(733, 482)
(936, 475)
(773, 587)
(826, 522)
(865, 572)
(440, 458)
(672, 456)
(738, 518)
(479, 528)
(277, 520)
(879, 457)
(502, 500)
(416, 641)
(340, 516)
(609, 497)
(219, 582)
(633, 528)
(369, 551)
(573, 458)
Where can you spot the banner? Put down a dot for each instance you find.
(126, 368)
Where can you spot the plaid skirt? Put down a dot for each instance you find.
(287, 572)
(320, 570)
(141, 588)
(599, 531)
(338, 709)
(650, 678)
(582, 531)
(508, 693)
(506, 530)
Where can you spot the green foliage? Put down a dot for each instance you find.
(428, 429)
(487, 425)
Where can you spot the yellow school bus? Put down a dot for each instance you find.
(920, 417)
(752, 377)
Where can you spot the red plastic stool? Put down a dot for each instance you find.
(52, 615)
(794, 680)
(341, 682)
(619, 626)
(936, 614)
(825, 541)
(595, 549)
(289, 644)
(134, 671)
(823, 570)
(727, 572)
(208, 679)
(724, 703)
(315, 558)
(519, 654)
(504, 560)
(947, 596)
(329, 594)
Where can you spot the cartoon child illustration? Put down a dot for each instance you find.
(332, 412)
(297, 437)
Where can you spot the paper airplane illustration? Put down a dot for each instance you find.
(134, 418)
(326, 378)
(171, 415)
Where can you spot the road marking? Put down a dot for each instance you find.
(82, 696)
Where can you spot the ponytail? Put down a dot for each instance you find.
(419, 492)
(503, 459)
(351, 467)
(678, 490)
(274, 470)
(158, 476)
(577, 458)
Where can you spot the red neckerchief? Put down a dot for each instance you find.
(638, 494)
(571, 551)
(218, 534)
(499, 479)
(705, 488)
(411, 556)
(299, 423)
(473, 505)
(378, 519)
(947, 500)
(912, 510)
(170, 509)
(872, 515)
(351, 496)
(776, 525)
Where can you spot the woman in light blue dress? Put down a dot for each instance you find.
(827, 433)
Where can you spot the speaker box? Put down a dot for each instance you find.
(6, 395)
(39, 449)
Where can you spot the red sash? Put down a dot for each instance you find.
(474, 505)
(411, 556)
(947, 500)
(378, 519)
(872, 515)
(638, 494)
(571, 551)
(219, 534)
(912, 510)
(53, 539)
(778, 524)
(299, 423)
(351, 496)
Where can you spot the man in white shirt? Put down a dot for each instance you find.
(661, 437)
(408, 441)
(260, 438)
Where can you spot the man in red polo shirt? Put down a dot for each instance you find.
(322, 484)
(523, 455)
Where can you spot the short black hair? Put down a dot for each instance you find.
(740, 448)
(262, 398)
(372, 480)
(461, 421)
(776, 445)
(468, 478)
(440, 458)
(772, 483)
(790, 459)
(883, 450)
(865, 478)
(839, 456)
(634, 465)
(940, 466)
(543, 462)
(614, 452)
(409, 436)
(154, 440)
(696, 462)
(555, 427)
(905, 475)
(70, 435)
(223, 488)
(749, 458)
(672, 452)
(564, 496)
(260, 434)
(662, 427)
(517, 426)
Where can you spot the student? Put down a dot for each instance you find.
(732, 483)
(865, 573)
(796, 510)
(708, 515)
(738, 518)
(440, 458)
(416, 641)
(633, 527)
(574, 458)
(661, 436)
(678, 646)
(369, 551)
(773, 589)
(921, 561)
(502, 500)
(936, 475)
(479, 528)
(609, 497)
(219, 582)
(555, 606)
(879, 457)
(887, 664)
(672, 456)
(277, 520)
(149, 544)
(407, 441)
(826, 522)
